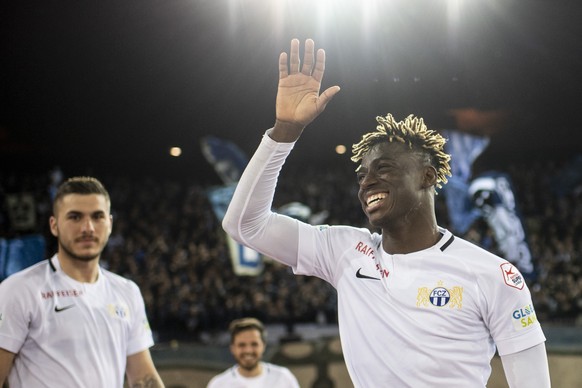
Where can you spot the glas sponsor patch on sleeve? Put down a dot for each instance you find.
(524, 317)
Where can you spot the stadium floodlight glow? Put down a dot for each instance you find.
(315, 18)
(175, 151)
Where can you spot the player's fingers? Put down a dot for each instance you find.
(327, 95)
(283, 71)
(294, 57)
(319, 66)
(308, 57)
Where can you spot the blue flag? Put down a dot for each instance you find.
(464, 149)
(229, 163)
(227, 159)
(492, 193)
(19, 253)
(488, 196)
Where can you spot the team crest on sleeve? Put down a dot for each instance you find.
(440, 296)
(511, 276)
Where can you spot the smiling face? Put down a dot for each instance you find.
(393, 182)
(247, 348)
(82, 225)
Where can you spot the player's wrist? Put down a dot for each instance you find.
(286, 132)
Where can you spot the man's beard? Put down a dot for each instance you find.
(246, 366)
(74, 256)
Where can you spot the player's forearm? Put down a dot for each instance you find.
(6, 361)
(528, 368)
(249, 219)
(149, 381)
(252, 200)
(141, 372)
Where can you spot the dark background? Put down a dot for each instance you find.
(111, 85)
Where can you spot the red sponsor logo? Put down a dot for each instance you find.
(49, 294)
(365, 249)
(369, 251)
(511, 276)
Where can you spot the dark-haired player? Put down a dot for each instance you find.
(67, 322)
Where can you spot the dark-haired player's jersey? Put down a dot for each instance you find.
(67, 333)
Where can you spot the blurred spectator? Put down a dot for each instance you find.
(167, 239)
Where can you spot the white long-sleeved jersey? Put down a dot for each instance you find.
(428, 318)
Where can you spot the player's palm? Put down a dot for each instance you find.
(298, 99)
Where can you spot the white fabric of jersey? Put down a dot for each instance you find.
(70, 334)
(273, 376)
(431, 318)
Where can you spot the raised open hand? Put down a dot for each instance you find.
(298, 98)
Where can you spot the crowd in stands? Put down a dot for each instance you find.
(168, 240)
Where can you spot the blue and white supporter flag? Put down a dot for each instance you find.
(227, 159)
(19, 253)
(492, 193)
(245, 261)
(488, 196)
(464, 149)
(229, 163)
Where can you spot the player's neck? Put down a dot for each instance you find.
(84, 271)
(403, 241)
(256, 371)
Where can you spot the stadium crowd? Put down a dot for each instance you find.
(167, 239)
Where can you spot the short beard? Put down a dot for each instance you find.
(248, 368)
(77, 257)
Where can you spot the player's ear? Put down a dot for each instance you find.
(429, 177)
(53, 226)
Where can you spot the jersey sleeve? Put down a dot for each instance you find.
(212, 383)
(324, 250)
(14, 314)
(291, 379)
(223, 379)
(141, 337)
(249, 219)
(510, 314)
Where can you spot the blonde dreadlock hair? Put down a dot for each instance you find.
(413, 132)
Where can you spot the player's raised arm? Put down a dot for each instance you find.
(298, 98)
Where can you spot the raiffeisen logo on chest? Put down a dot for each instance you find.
(524, 317)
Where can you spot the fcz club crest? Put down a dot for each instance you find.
(440, 296)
